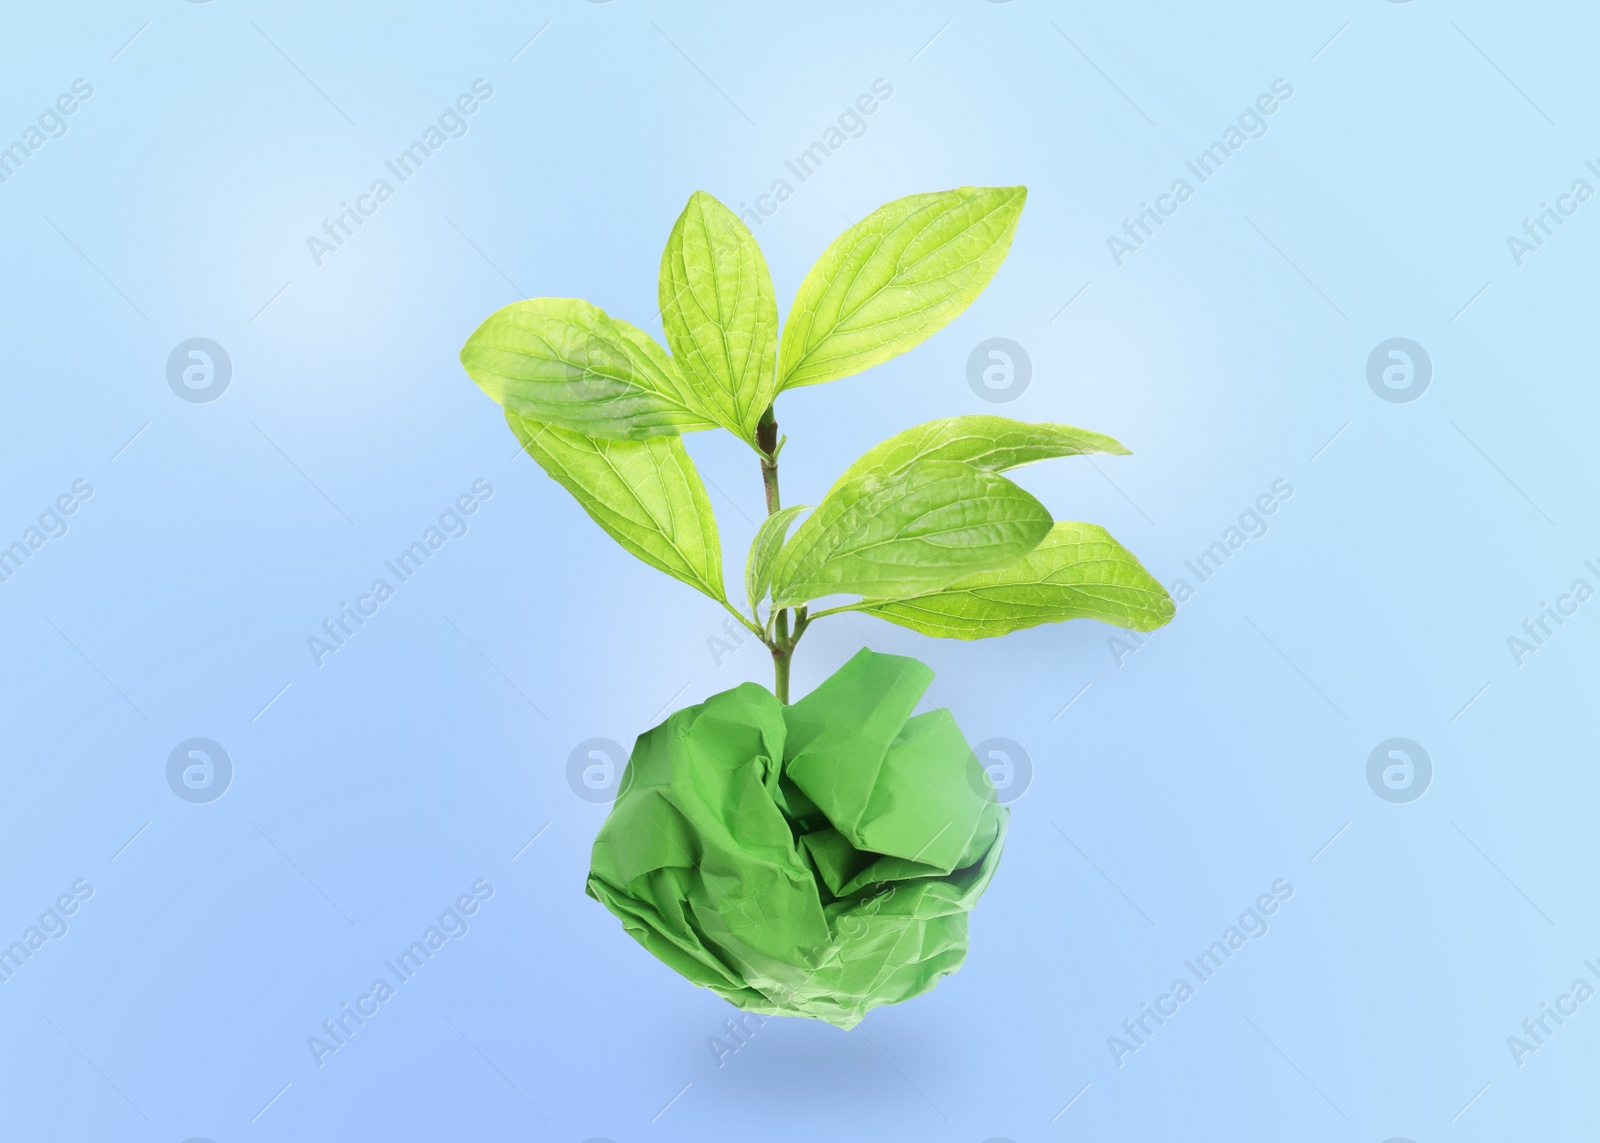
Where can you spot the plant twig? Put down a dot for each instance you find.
(768, 444)
(779, 640)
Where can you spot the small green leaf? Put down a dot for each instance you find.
(896, 278)
(719, 314)
(769, 539)
(564, 362)
(993, 444)
(916, 531)
(1078, 572)
(647, 495)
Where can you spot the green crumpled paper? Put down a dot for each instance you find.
(814, 860)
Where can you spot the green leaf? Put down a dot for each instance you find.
(993, 444)
(915, 531)
(896, 278)
(564, 362)
(719, 314)
(769, 539)
(647, 496)
(1078, 572)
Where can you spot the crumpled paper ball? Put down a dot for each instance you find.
(814, 860)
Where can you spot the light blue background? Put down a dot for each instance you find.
(423, 756)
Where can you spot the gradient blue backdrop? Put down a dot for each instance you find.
(1169, 791)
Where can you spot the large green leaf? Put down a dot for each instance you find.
(564, 362)
(719, 314)
(1078, 572)
(894, 279)
(764, 549)
(647, 496)
(993, 444)
(915, 531)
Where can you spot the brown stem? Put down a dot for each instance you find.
(782, 644)
(767, 442)
(782, 653)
